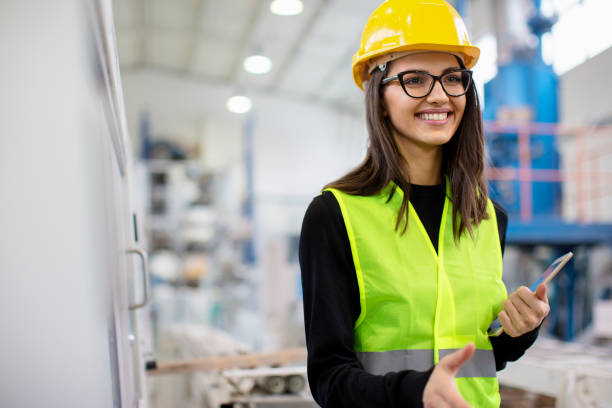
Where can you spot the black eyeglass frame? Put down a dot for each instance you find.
(400, 77)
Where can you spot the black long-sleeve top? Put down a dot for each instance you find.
(331, 307)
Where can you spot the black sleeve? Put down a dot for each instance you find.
(506, 348)
(331, 307)
(502, 224)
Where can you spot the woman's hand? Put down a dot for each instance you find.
(441, 390)
(524, 310)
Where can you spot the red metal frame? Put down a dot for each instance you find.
(587, 164)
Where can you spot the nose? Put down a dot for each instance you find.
(437, 94)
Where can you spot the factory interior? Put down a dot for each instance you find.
(158, 158)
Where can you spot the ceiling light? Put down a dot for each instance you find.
(257, 64)
(286, 7)
(239, 104)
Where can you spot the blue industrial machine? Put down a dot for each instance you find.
(525, 91)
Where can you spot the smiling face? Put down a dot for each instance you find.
(423, 123)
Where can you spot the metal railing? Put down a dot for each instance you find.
(583, 167)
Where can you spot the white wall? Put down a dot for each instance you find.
(585, 101)
(298, 146)
(585, 92)
(54, 280)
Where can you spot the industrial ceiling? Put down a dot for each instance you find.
(207, 40)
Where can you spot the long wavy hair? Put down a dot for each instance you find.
(462, 162)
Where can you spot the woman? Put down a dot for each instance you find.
(401, 258)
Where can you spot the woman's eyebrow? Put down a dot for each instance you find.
(450, 69)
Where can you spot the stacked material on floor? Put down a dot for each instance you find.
(574, 374)
(219, 371)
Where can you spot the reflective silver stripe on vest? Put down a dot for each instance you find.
(382, 362)
(482, 363)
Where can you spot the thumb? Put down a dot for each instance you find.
(541, 292)
(453, 361)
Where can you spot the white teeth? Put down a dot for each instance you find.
(434, 116)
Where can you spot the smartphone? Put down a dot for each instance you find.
(495, 329)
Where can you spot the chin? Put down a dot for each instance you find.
(440, 137)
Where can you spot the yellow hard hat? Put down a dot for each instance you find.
(398, 27)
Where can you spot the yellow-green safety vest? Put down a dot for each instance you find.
(417, 305)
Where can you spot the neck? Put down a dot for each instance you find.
(423, 163)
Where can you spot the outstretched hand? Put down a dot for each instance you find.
(441, 390)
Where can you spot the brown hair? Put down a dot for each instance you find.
(462, 161)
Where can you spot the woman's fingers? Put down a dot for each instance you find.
(441, 390)
(513, 314)
(455, 400)
(521, 306)
(451, 399)
(507, 324)
(453, 361)
(437, 402)
(537, 302)
(541, 293)
(528, 316)
(444, 396)
(525, 310)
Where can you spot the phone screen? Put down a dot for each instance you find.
(553, 267)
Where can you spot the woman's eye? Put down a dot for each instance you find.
(452, 78)
(413, 80)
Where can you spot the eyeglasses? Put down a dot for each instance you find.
(419, 84)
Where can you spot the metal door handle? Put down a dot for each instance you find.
(145, 277)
